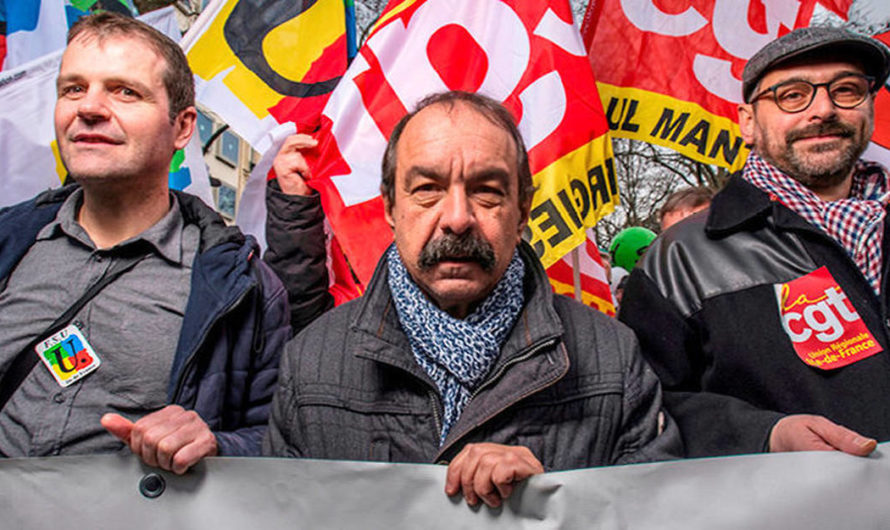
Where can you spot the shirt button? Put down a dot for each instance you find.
(59, 398)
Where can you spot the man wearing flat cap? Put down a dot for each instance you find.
(766, 317)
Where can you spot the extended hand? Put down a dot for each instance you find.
(172, 438)
(291, 167)
(803, 432)
(489, 471)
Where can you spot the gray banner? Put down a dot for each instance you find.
(789, 491)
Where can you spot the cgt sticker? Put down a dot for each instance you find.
(823, 326)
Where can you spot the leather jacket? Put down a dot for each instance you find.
(703, 303)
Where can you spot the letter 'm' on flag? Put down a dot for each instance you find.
(678, 80)
(527, 55)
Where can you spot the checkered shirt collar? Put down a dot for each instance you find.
(856, 223)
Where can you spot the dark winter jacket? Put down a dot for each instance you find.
(569, 384)
(234, 327)
(296, 252)
(703, 304)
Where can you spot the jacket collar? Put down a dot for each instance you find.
(741, 205)
(538, 328)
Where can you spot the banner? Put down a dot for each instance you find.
(678, 81)
(791, 491)
(32, 28)
(29, 156)
(267, 68)
(527, 55)
(262, 63)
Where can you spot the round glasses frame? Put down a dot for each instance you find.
(814, 87)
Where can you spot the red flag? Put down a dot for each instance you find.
(592, 280)
(525, 54)
(879, 149)
(838, 7)
(678, 81)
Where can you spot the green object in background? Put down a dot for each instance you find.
(629, 245)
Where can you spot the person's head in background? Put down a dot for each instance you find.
(683, 203)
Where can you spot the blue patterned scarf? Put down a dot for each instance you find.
(456, 354)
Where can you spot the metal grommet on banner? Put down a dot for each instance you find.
(152, 485)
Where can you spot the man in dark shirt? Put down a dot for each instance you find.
(184, 337)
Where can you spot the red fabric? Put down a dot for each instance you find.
(457, 57)
(881, 135)
(593, 277)
(664, 64)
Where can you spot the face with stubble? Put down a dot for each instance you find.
(819, 145)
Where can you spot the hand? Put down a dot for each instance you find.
(172, 438)
(291, 167)
(803, 432)
(489, 471)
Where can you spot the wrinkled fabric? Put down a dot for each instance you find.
(456, 354)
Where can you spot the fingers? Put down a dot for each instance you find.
(290, 165)
(842, 438)
(803, 432)
(489, 472)
(117, 425)
(172, 438)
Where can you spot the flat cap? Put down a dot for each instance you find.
(873, 53)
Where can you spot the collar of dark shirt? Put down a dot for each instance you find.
(165, 236)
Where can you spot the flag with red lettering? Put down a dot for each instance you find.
(528, 55)
(678, 81)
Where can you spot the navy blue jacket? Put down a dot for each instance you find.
(235, 324)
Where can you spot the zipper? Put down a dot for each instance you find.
(191, 358)
(511, 362)
(490, 380)
(436, 419)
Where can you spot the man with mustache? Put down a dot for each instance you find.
(459, 352)
(131, 316)
(766, 317)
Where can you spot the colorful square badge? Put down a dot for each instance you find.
(68, 356)
(823, 325)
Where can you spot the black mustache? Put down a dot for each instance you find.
(821, 129)
(452, 247)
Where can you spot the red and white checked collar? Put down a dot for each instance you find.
(857, 223)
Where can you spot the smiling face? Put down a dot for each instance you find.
(455, 211)
(817, 146)
(112, 113)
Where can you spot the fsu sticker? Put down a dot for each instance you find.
(68, 356)
(823, 326)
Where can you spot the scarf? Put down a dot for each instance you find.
(456, 354)
(856, 223)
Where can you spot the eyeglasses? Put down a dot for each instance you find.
(846, 92)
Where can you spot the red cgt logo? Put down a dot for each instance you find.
(824, 327)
